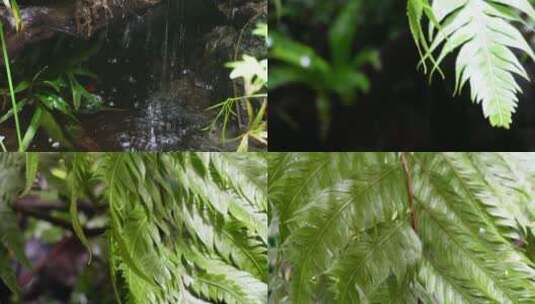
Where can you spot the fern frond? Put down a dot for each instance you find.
(11, 238)
(483, 32)
(338, 209)
(189, 226)
(295, 179)
(7, 275)
(78, 175)
(355, 239)
(389, 250)
(456, 227)
(244, 173)
(442, 284)
(10, 186)
(219, 281)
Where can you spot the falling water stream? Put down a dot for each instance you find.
(157, 73)
(154, 82)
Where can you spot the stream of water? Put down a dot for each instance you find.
(155, 80)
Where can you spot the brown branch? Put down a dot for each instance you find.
(90, 232)
(410, 193)
(34, 202)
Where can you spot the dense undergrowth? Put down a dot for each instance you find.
(253, 73)
(163, 228)
(402, 228)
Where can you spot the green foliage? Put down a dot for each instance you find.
(11, 240)
(10, 83)
(254, 75)
(183, 227)
(52, 97)
(402, 228)
(341, 75)
(484, 36)
(483, 33)
(13, 8)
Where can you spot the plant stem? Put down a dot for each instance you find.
(11, 91)
(406, 169)
(3, 146)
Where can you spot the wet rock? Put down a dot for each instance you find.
(169, 120)
(230, 41)
(162, 125)
(46, 20)
(241, 12)
(194, 93)
(221, 42)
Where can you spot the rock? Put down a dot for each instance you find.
(241, 12)
(44, 22)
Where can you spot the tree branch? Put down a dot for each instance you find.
(33, 202)
(90, 232)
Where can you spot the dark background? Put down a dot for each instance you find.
(402, 110)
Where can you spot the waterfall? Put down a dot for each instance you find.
(172, 48)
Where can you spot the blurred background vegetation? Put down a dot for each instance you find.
(343, 76)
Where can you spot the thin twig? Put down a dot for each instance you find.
(410, 193)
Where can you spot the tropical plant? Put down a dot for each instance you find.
(342, 76)
(52, 95)
(402, 227)
(13, 7)
(483, 32)
(484, 36)
(46, 99)
(254, 74)
(10, 85)
(181, 227)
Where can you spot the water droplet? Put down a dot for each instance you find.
(55, 145)
(269, 42)
(304, 61)
(481, 230)
(112, 104)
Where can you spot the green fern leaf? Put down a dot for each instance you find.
(409, 228)
(367, 264)
(7, 273)
(483, 33)
(10, 186)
